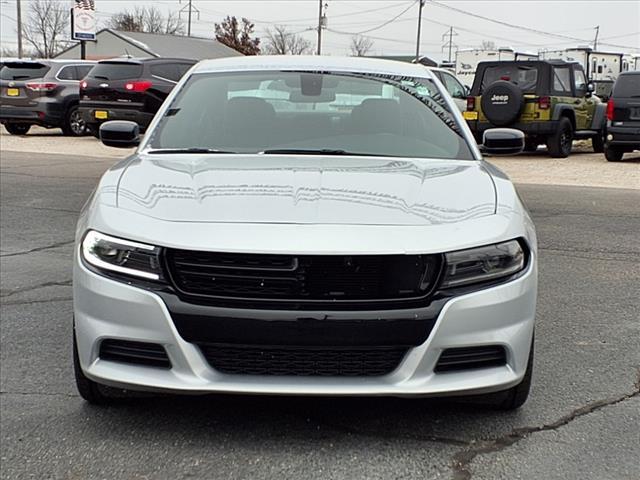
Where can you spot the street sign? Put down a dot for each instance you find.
(83, 20)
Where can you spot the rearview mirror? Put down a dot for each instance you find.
(502, 141)
(120, 134)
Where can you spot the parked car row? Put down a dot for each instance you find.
(77, 96)
(552, 103)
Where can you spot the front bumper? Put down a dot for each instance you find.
(500, 315)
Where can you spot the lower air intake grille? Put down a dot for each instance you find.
(139, 353)
(456, 359)
(303, 361)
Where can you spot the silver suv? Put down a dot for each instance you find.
(42, 92)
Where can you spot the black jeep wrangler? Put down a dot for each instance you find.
(549, 101)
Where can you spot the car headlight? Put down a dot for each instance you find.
(114, 255)
(483, 264)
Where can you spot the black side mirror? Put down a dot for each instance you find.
(502, 141)
(120, 134)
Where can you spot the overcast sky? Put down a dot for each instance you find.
(560, 24)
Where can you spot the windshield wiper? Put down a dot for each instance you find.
(188, 150)
(310, 151)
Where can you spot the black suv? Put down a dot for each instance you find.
(623, 115)
(129, 89)
(549, 101)
(42, 92)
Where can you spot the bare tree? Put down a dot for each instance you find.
(46, 26)
(147, 20)
(488, 45)
(281, 42)
(360, 46)
(230, 33)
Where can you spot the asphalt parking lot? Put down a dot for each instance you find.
(580, 422)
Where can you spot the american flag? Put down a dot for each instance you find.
(86, 4)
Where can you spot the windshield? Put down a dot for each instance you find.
(307, 112)
(525, 77)
(116, 71)
(23, 71)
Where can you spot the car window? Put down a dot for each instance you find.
(67, 73)
(453, 86)
(182, 69)
(166, 71)
(23, 71)
(562, 80)
(366, 114)
(83, 70)
(627, 86)
(580, 80)
(524, 76)
(116, 71)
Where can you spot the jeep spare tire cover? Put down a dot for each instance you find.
(502, 103)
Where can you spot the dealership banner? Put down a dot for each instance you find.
(83, 20)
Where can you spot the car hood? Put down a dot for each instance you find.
(305, 189)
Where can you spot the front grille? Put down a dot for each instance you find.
(300, 279)
(303, 361)
(138, 353)
(467, 358)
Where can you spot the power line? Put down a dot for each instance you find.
(310, 19)
(388, 21)
(449, 44)
(189, 8)
(521, 27)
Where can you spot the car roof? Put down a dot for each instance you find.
(312, 63)
(526, 62)
(48, 61)
(139, 61)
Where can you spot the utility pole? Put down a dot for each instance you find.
(450, 43)
(595, 42)
(19, 26)
(189, 9)
(422, 2)
(322, 23)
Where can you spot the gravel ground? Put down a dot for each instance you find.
(583, 168)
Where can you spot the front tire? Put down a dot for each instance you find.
(516, 396)
(559, 144)
(87, 388)
(17, 128)
(613, 154)
(74, 124)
